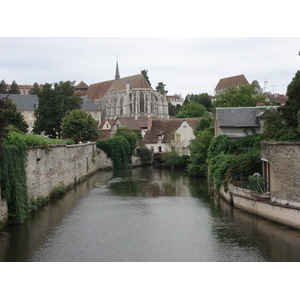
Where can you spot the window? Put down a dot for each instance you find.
(159, 149)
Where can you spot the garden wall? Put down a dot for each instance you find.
(49, 166)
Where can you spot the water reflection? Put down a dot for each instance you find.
(146, 214)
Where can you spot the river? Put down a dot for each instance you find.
(146, 214)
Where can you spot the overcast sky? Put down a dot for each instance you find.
(192, 59)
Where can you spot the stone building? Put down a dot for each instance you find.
(130, 96)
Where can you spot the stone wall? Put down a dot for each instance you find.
(283, 162)
(49, 166)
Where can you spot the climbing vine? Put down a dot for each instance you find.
(13, 181)
(117, 148)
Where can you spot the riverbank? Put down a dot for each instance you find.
(262, 205)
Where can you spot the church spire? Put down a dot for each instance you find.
(117, 76)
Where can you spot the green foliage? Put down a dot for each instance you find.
(238, 96)
(205, 122)
(15, 117)
(129, 136)
(35, 89)
(79, 125)
(58, 191)
(54, 104)
(192, 110)
(230, 161)
(145, 154)
(3, 89)
(173, 159)
(203, 99)
(199, 147)
(13, 181)
(145, 74)
(256, 184)
(173, 110)
(161, 88)
(3, 121)
(15, 138)
(13, 88)
(117, 148)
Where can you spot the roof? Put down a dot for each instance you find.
(165, 128)
(88, 104)
(23, 102)
(224, 83)
(240, 116)
(110, 122)
(137, 82)
(129, 122)
(81, 86)
(98, 90)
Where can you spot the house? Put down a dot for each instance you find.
(233, 121)
(179, 132)
(104, 129)
(225, 83)
(27, 104)
(23, 88)
(175, 99)
(81, 89)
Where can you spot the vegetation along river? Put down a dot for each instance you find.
(146, 214)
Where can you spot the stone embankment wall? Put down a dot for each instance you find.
(49, 166)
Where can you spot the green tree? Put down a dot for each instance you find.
(145, 74)
(3, 88)
(191, 110)
(129, 136)
(173, 110)
(35, 89)
(203, 99)
(15, 117)
(238, 96)
(14, 88)
(199, 147)
(3, 121)
(161, 88)
(292, 106)
(54, 104)
(79, 125)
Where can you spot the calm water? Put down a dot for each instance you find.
(146, 214)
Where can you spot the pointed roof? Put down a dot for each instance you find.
(165, 128)
(224, 83)
(117, 76)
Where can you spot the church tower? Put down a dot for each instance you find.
(117, 76)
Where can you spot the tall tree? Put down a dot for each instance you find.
(15, 117)
(79, 125)
(191, 110)
(161, 88)
(3, 88)
(35, 89)
(14, 88)
(238, 96)
(145, 74)
(54, 104)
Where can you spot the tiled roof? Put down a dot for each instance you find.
(129, 122)
(165, 128)
(81, 86)
(137, 81)
(239, 116)
(224, 83)
(98, 90)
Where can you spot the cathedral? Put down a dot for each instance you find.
(129, 96)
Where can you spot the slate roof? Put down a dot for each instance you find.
(88, 104)
(165, 128)
(240, 116)
(224, 83)
(23, 102)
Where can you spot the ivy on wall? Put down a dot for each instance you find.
(13, 181)
(117, 148)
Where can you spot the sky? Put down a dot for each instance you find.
(188, 48)
(186, 65)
